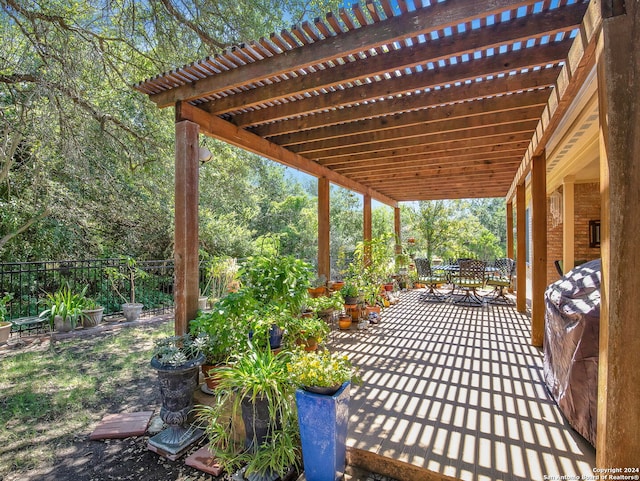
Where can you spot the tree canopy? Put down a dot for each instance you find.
(86, 163)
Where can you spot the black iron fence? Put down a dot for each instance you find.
(31, 281)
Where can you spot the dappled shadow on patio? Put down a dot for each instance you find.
(458, 391)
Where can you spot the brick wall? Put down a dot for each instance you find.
(586, 208)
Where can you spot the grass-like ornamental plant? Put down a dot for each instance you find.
(66, 304)
(321, 369)
(256, 377)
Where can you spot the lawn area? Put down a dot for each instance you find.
(52, 396)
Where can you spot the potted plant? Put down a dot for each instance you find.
(325, 305)
(177, 360)
(322, 400)
(5, 326)
(268, 326)
(130, 308)
(307, 332)
(64, 308)
(318, 286)
(91, 313)
(257, 386)
(350, 293)
(280, 280)
(220, 274)
(225, 327)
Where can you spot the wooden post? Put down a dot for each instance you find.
(397, 229)
(367, 235)
(618, 439)
(510, 229)
(539, 251)
(568, 223)
(186, 225)
(324, 255)
(521, 250)
(510, 233)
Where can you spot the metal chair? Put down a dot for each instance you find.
(432, 279)
(501, 279)
(469, 279)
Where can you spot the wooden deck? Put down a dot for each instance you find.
(458, 391)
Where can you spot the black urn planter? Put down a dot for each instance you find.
(258, 425)
(177, 384)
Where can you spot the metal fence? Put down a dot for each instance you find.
(31, 281)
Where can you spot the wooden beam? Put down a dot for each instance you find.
(187, 277)
(618, 439)
(359, 95)
(220, 129)
(447, 137)
(435, 157)
(428, 173)
(539, 251)
(324, 256)
(550, 23)
(460, 124)
(580, 62)
(418, 22)
(454, 146)
(544, 77)
(437, 116)
(521, 250)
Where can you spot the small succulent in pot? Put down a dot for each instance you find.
(179, 350)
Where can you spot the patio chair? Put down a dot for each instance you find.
(501, 279)
(469, 279)
(432, 279)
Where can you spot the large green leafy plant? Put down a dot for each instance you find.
(281, 280)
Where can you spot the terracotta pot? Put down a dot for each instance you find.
(310, 343)
(315, 292)
(337, 285)
(388, 286)
(376, 309)
(344, 322)
(211, 380)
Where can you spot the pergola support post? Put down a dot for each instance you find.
(618, 438)
(397, 229)
(521, 249)
(568, 223)
(186, 225)
(324, 253)
(366, 224)
(510, 232)
(539, 244)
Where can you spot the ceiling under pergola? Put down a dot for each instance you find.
(400, 100)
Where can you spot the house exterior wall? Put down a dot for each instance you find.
(586, 208)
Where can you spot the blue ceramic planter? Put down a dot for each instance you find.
(323, 423)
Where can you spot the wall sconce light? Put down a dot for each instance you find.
(205, 155)
(594, 233)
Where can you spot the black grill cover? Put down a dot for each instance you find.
(572, 318)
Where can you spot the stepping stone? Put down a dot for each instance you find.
(123, 425)
(203, 460)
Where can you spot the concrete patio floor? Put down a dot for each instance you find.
(460, 392)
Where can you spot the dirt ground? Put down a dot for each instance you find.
(77, 458)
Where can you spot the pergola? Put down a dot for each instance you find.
(406, 100)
